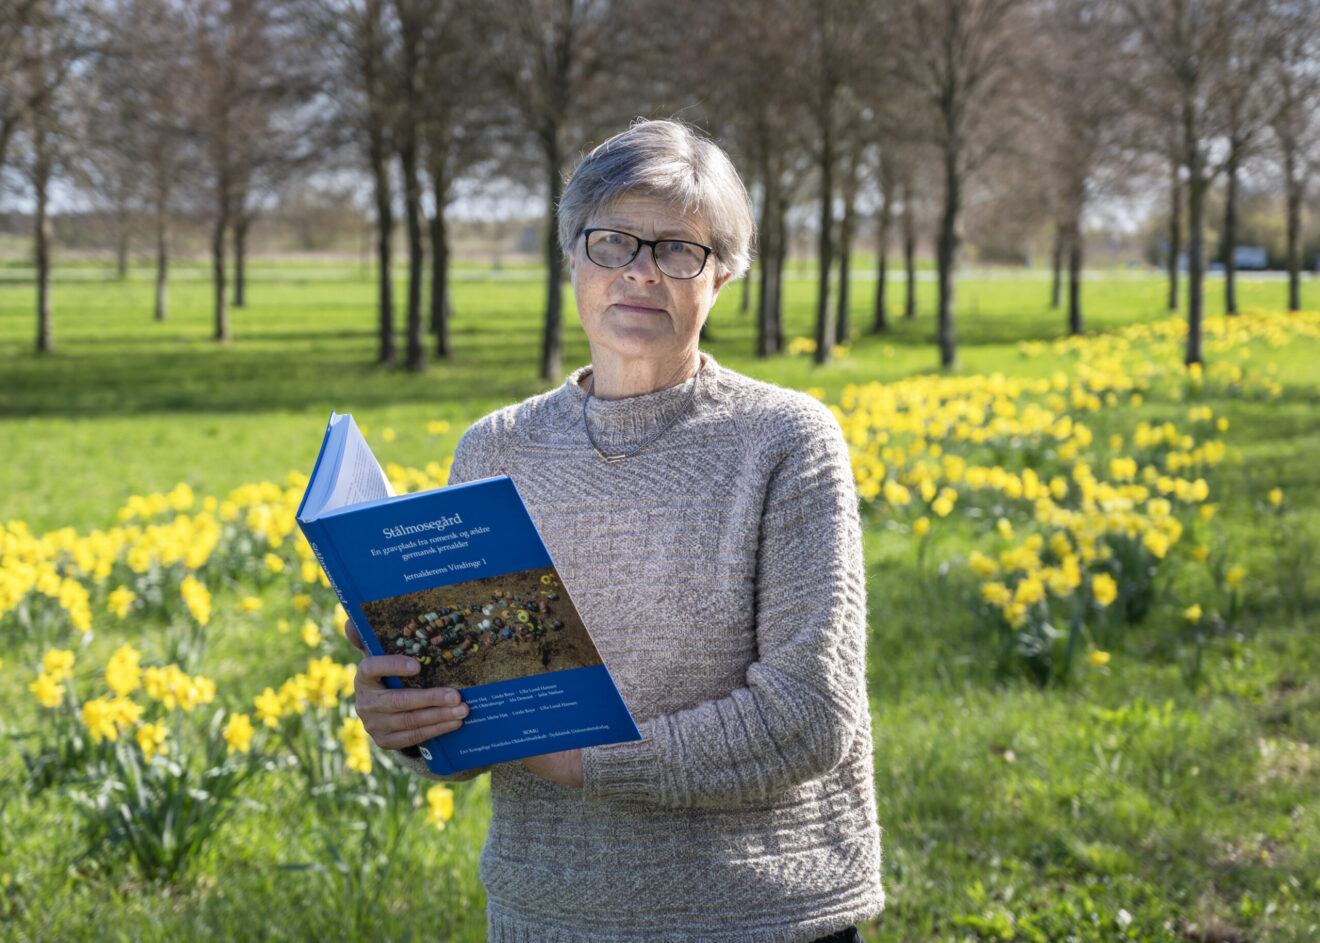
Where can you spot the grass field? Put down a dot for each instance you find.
(1168, 794)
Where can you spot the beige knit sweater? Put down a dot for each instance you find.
(720, 573)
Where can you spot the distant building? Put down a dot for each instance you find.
(1250, 257)
(1244, 257)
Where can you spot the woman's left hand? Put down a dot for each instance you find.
(564, 767)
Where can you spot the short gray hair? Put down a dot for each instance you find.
(670, 161)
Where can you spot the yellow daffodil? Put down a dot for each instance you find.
(1235, 575)
(269, 707)
(1156, 542)
(238, 733)
(123, 672)
(1193, 613)
(47, 691)
(1097, 658)
(1104, 588)
(99, 718)
(124, 711)
(439, 805)
(198, 599)
(151, 739)
(58, 663)
(981, 565)
(120, 600)
(357, 745)
(310, 633)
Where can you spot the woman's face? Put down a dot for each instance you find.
(636, 312)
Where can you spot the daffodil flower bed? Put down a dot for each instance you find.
(153, 764)
(1076, 527)
(1076, 518)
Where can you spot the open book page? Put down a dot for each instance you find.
(359, 477)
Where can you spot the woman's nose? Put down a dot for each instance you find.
(642, 268)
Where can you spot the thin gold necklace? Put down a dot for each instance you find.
(696, 380)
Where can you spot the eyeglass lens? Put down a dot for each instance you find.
(674, 257)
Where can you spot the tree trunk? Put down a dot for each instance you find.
(886, 222)
(380, 174)
(745, 300)
(909, 255)
(1075, 249)
(441, 309)
(1196, 187)
(1294, 200)
(1230, 233)
(1293, 187)
(162, 260)
(41, 247)
(1056, 267)
(240, 261)
(824, 325)
(412, 210)
(552, 346)
(222, 331)
(121, 244)
(8, 125)
(948, 252)
(766, 341)
(843, 318)
(1175, 234)
(781, 259)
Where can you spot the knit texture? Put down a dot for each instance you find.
(720, 573)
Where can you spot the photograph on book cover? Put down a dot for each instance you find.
(496, 628)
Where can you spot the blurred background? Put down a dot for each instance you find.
(1052, 263)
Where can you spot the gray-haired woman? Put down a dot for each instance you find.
(706, 525)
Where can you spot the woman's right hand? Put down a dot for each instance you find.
(401, 717)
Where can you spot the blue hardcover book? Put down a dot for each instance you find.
(459, 579)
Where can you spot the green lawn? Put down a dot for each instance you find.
(1127, 803)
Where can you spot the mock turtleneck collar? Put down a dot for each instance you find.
(621, 424)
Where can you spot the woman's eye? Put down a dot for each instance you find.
(675, 248)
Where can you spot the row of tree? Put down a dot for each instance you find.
(858, 108)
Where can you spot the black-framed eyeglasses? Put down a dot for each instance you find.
(677, 258)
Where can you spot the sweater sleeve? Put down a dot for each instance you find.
(804, 701)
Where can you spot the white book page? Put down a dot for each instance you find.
(360, 476)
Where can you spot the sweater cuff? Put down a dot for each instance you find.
(623, 772)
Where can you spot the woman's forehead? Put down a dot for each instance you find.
(650, 216)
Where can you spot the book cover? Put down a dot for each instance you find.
(459, 579)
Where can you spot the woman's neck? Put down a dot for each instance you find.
(614, 378)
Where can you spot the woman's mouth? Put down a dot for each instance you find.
(637, 307)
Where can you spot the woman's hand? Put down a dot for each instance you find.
(397, 718)
(564, 767)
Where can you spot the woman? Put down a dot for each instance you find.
(706, 526)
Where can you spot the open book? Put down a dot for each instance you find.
(459, 579)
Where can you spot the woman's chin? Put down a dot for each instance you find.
(639, 342)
